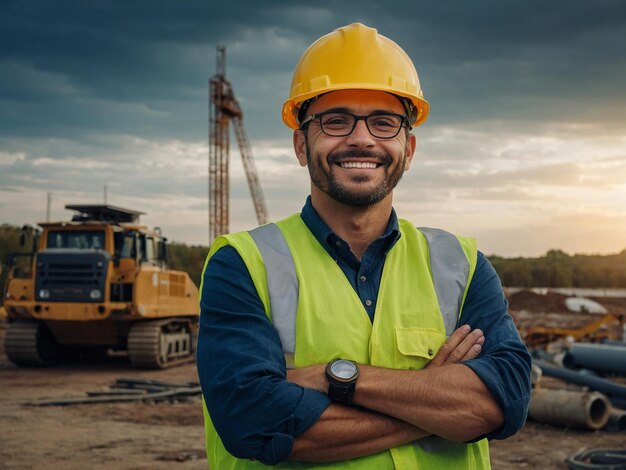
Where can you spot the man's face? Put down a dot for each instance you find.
(358, 169)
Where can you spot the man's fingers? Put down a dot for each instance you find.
(466, 348)
(474, 351)
(450, 345)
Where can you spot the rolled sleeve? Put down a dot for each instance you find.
(278, 448)
(504, 363)
(241, 367)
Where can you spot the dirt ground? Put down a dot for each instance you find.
(170, 435)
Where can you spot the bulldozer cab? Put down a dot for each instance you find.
(110, 229)
(141, 247)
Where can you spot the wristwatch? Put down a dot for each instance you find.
(341, 375)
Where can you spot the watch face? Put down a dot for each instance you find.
(343, 369)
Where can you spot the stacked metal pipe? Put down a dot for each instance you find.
(615, 392)
(594, 409)
(605, 358)
(569, 408)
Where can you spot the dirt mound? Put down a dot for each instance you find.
(615, 305)
(551, 302)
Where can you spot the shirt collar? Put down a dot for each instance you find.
(325, 236)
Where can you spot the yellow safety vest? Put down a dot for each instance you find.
(407, 332)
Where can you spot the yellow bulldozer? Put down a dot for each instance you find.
(98, 282)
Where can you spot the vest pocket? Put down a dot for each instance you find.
(417, 346)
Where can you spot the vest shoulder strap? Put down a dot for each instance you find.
(282, 282)
(450, 269)
(449, 266)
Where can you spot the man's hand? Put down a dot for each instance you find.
(440, 396)
(462, 345)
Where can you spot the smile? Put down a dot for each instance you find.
(358, 165)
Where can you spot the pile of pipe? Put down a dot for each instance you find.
(601, 404)
(603, 358)
(130, 389)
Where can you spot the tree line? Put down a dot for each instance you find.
(555, 269)
(558, 269)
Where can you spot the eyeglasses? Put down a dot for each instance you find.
(380, 125)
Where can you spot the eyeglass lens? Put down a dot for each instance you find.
(384, 126)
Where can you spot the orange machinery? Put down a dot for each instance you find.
(99, 282)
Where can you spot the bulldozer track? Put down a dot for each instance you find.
(151, 347)
(29, 343)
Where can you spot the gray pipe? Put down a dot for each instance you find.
(601, 357)
(615, 392)
(617, 420)
(567, 408)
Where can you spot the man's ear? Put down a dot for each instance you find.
(411, 144)
(299, 145)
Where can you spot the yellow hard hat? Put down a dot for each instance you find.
(354, 57)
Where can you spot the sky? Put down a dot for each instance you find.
(524, 149)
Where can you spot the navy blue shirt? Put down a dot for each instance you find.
(242, 368)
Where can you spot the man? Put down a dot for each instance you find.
(340, 337)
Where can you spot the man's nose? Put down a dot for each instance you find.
(361, 136)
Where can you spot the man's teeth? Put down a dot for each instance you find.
(358, 165)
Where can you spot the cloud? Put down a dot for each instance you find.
(143, 66)
(526, 125)
(10, 158)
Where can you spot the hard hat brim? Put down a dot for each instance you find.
(291, 106)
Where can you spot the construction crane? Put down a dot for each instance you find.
(224, 109)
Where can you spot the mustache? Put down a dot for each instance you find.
(379, 157)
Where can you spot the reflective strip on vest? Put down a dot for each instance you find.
(450, 269)
(449, 265)
(282, 282)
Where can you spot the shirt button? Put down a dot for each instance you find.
(338, 244)
(363, 278)
(368, 302)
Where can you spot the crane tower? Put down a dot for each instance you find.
(224, 109)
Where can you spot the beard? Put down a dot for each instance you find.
(327, 182)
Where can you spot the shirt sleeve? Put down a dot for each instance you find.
(504, 363)
(242, 371)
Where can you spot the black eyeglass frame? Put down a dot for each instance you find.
(404, 120)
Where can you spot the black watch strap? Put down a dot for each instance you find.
(341, 392)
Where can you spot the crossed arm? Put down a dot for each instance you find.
(396, 407)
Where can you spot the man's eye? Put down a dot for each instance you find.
(335, 121)
(384, 122)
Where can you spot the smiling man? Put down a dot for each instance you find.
(370, 151)
(343, 336)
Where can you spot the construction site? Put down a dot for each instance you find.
(119, 389)
(67, 416)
